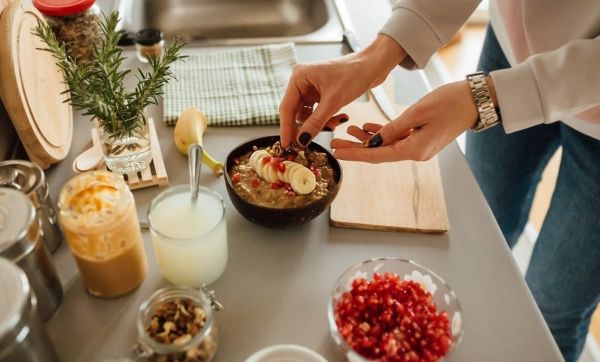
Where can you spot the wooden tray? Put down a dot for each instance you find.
(154, 175)
(396, 196)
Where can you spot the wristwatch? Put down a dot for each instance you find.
(488, 116)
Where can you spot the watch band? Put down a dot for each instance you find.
(488, 117)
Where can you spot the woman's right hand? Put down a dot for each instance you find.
(332, 84)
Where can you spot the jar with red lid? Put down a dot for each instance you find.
(76, 24)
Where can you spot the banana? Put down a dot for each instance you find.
(303, 181)
(190, 129)
(271, 173)
(280, 174)
(260, 168)
(289, 171)
(255, 156)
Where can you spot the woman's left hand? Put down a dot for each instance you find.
(420, 132)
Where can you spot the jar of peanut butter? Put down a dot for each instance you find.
(98, 216)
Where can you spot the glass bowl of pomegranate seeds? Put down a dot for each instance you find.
(392, 310)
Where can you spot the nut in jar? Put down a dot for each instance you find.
(177, 324)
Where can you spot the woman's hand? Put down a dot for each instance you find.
(420, 132)
(332, 84)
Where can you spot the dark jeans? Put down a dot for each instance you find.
(564, 272)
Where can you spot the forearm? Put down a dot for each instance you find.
(381, 56)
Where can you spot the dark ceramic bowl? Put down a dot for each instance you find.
(273, 217)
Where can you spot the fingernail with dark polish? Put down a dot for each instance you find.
(304, 139)
(344, 120)
(327, 129)
(375, 141)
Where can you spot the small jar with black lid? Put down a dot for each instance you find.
(149, 42)
(76, 24)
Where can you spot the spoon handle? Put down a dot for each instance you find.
(195, 165)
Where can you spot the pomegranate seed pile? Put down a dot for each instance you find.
(392, 320)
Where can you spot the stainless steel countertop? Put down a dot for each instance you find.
(277, 282)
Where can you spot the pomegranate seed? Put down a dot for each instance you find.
(281, 167)
(277, 185)
(287, 186)
(390, 319)
(266, 159)
(255, 183)
(236, 178)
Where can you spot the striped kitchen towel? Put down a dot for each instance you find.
(239, 87)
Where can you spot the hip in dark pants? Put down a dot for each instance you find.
(564, 272)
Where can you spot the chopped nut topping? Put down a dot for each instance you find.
(177, 322)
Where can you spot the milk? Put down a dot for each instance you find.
(189, 237)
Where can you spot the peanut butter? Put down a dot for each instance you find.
(99, 219)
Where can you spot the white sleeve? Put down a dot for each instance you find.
(550, 86)
(423, 26)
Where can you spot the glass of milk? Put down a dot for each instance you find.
(189, 237)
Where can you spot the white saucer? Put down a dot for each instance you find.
(286, 353)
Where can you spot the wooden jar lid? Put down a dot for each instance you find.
(32, 88)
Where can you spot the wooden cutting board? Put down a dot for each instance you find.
(31, 87)
(396, 196)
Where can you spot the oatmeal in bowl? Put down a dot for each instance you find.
(274, 187)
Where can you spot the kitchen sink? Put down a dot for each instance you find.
(230, 22)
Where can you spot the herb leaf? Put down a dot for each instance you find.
(97, 86)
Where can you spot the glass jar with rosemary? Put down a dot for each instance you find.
(97, 88)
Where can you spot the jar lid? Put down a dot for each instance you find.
(21, 175)
(13, 282)
(149, 36)
(62, 7)
(17, 214)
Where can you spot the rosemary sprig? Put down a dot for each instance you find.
(97, 86)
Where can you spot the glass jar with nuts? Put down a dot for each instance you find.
(177, 324)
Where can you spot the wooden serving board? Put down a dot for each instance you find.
(31, 86)
(396, 196)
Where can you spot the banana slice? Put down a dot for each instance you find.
(252, 160)
(256, 156)
(271, 173)
(289, 170)
(281, 175)
(303, 181)
(260, 168)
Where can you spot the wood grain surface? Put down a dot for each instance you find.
(31, 88)
(396, 196)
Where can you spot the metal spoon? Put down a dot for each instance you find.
(195, 165)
